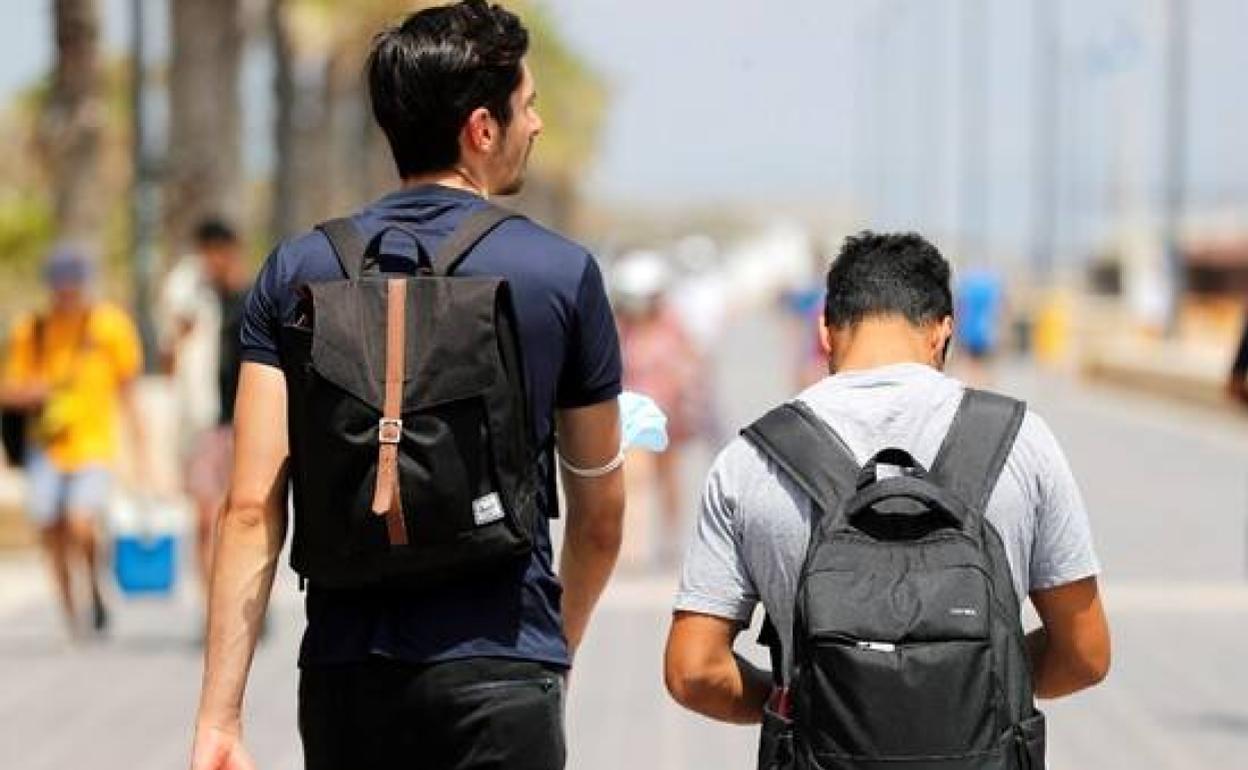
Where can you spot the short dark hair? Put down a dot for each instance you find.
(215, 232)
(427, 74)
(898, 274)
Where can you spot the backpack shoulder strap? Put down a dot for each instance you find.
(810, 453)
(468, 234)
(975, 449)
(348, 244)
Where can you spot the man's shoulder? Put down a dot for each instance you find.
(304, 258)
(741, 469)
(1035, 447)
(312, 244)
(542, 249)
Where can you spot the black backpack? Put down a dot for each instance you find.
(413, 459)
(15, 423)
(908, 644)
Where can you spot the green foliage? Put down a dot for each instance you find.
(26, 233)
(26, 230)
(571, 97)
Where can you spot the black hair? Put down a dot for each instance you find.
(899, 274)
(215, 232)
(427, 74)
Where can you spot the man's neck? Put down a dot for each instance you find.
(453, 178)
(874, 344)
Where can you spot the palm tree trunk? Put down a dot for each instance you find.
(283, 210)
(204, 162)
(72, 121)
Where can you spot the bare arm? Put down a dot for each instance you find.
(134, 422)
(22, 396)
(703, 674)
(250, 532)
(589, 437)
(1071, 651)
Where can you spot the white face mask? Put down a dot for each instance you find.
(642, 423)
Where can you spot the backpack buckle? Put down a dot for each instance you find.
(389, 430)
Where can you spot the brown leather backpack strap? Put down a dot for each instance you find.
(387, 497)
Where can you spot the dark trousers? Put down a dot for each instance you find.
(478, 714)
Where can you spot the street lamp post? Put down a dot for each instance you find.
(1175, 156)
(143, 194)
(1045, 128)
(973, 198)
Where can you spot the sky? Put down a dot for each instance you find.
(824, 99)
(827, 101)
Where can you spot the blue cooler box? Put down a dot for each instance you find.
(145, 565)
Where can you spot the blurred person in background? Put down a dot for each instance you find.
(702, 298)
(802, 305)
(204, 302)
(662, 362)
(72, 367)
(980, 303)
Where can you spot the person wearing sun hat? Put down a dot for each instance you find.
(70, 367)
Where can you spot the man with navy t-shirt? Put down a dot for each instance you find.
(470, 674)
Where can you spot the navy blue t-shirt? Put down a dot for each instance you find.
(571, 358)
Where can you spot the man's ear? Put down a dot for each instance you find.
(942, 333)
(480, 132)
(825, 335)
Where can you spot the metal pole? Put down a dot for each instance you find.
(878, 80)
(1175, 155)
(1045, 128)
(143, 200)
(973, 198)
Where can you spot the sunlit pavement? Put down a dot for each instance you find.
(1168, 491)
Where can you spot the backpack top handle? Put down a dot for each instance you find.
(355, 252)
(352, 249)
(932, 498)
(894, 456)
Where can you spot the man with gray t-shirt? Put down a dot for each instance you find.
(886, 329)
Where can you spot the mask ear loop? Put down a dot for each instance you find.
(593, 473)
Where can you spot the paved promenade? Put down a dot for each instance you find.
(1168, 488)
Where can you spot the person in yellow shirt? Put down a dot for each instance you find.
(71, 368)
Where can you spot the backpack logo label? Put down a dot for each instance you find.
(487, 510)
(964, 612)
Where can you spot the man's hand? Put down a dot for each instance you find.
(589, 437)
(219, 748)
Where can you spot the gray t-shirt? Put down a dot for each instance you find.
(754, 524)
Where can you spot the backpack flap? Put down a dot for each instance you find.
(440, 347)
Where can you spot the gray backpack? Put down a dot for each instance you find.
(908, 643)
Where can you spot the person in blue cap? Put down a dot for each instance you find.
(71, 368)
